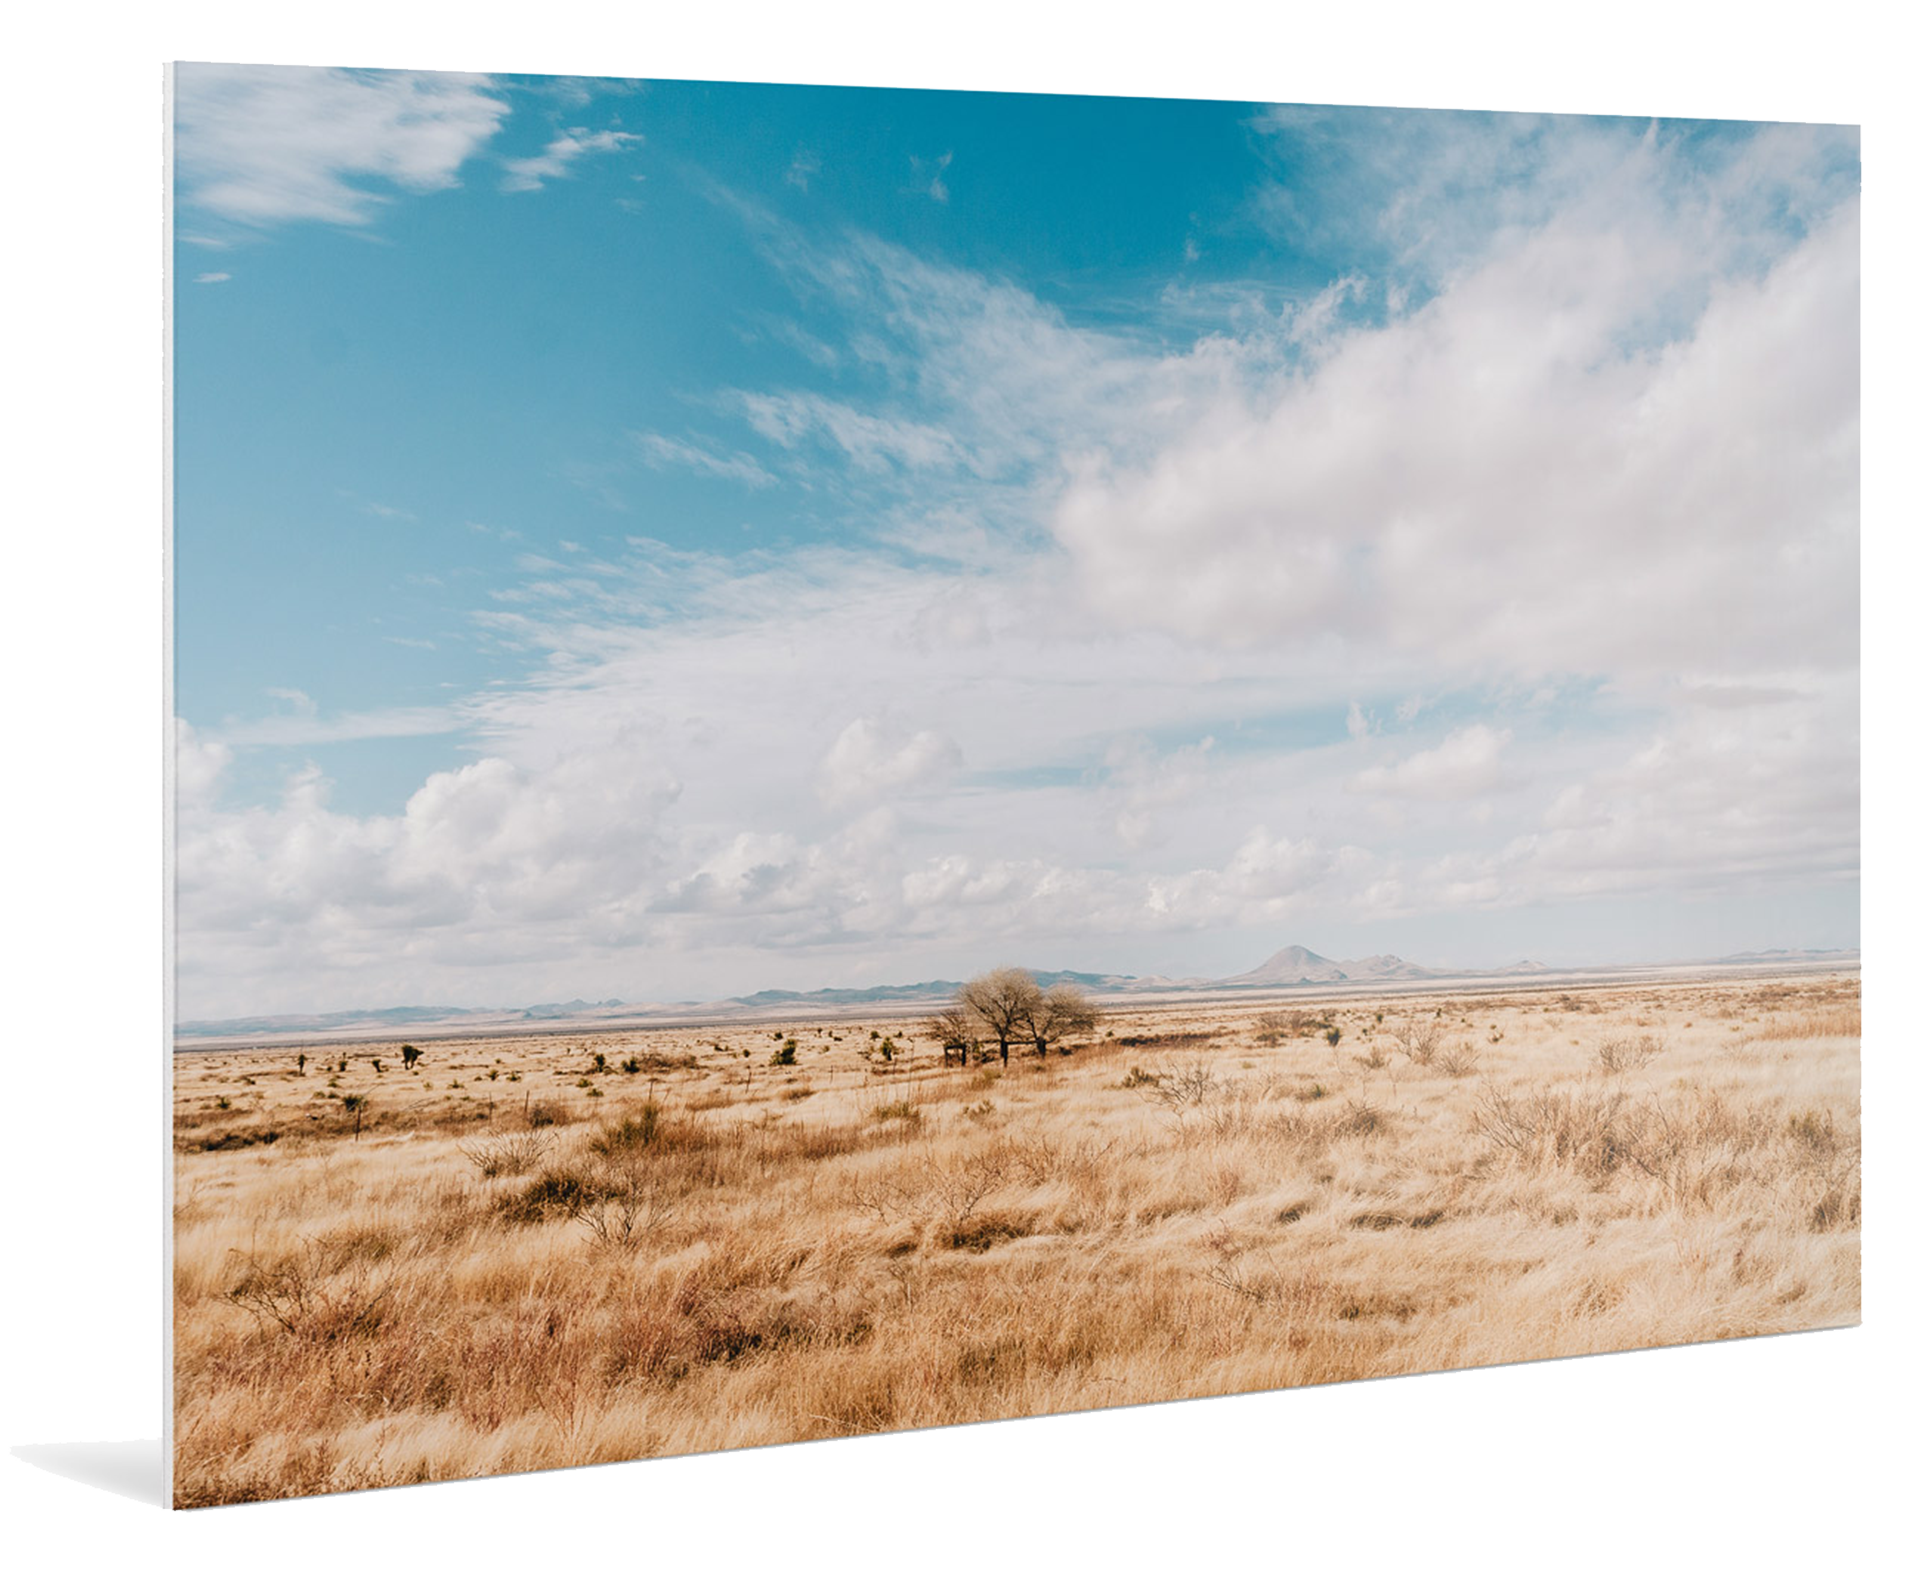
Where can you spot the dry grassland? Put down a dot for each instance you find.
(523, 1255)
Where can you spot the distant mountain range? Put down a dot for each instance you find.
(1293, 966)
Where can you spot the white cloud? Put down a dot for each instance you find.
(662, 452)
(804, 167)
(304, 725)
(1465, 765)
(211, 277)
(929, 176)
(1564, 460)
(559, 157)
(1563, 488)
(197, 765)
(871, 442)
(261, 145)
(871, 760)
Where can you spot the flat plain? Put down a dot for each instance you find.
(542, 1250)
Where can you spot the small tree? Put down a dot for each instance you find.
(1061, 1010)
(958, 1033)
(1005, 1001)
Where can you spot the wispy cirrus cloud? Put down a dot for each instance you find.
(665, 452)
(560, 156)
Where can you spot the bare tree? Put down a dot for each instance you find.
(958, 1032)
(1060, 1011)
(1004, 1001)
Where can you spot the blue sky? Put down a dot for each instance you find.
(663, 539)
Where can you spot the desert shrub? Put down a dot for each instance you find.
(1270, 1029)
(1185, 1085)
(1625, 1054)
(558, 1190)
(229, 1140)
(1590, 1132)
(1333, 1035)
(980, 1234)
(627, 1207)
(903, 1112)
(1373, 1058)
(629, 1065)
(547, 1114)
(1172, 1038)
(314, 1294)
(1138, 1076)
(1814, 1131)
(788, 1054)
(1457, 1060)
(1362, 1117)
(1421, 1043)
(505, 1155)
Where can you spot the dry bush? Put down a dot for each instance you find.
(1270, 1029)
(1626, 1054)
(1580, 1130)
(315, 1293)
(505, 1155)
(629, 1205)
(1185, 1085)
(1457, 1060)
(1420, 1042)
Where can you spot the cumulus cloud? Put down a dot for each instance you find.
(261, 145)
(1578, 455)
(198, 765)
(871, 760)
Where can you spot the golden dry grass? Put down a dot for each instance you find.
(525, 1257)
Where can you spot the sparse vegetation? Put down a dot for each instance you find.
(406, 1282)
